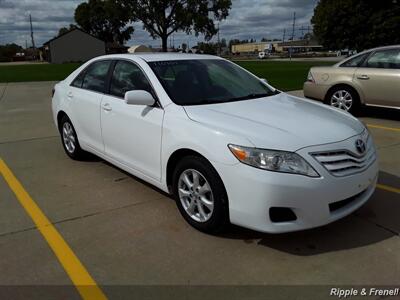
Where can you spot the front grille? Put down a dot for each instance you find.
(342, 163)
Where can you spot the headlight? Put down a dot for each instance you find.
(366, 133)
(272, 160)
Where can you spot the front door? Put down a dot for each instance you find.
(379, 78)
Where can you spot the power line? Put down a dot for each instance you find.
(302, 31)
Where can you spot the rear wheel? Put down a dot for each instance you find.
(200, 194)
(69, 140)
(344, 98)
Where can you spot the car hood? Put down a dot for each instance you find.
(280, 122)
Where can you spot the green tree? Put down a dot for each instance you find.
(308, 36)
(64, 30)
(184, 47)
(161, 18)
(223, 43)
(357, 24)
(106, 19)
(8, 51)
(207, 48)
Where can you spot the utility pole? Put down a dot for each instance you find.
(294, 25)
(284, 35)
(33, 40)
(219, 44)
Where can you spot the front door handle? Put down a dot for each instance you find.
(363, 77)
(107, 107)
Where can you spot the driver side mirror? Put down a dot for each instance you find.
(139, 97)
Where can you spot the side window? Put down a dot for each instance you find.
(385, 59)
(355, 61)
(79, 79)
(128, 77)
(96, 75)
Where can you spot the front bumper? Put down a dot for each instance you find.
(252, 192)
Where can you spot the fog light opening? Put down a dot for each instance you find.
(282, 214)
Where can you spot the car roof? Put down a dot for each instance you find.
(151, 57)
(366, 51)
(384, 48)
(378, 48)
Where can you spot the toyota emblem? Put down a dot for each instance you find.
(360, 146)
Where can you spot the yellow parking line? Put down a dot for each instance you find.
(388, 188)
(383, 127)
(82, 280)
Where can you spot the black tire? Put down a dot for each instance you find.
(219, 219)
(356, 104)
(76, 153)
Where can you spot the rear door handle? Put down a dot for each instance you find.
(363, 77)
(107, 107)
(70, 95)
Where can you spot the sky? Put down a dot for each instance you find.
(247, 19)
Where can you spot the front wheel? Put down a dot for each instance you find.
(200, 194)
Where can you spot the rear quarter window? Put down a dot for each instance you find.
(77, 82)
(355, 61)
(96, 76)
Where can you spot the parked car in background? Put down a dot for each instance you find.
(346, 52)
(369, 78)
(263, 54)
(223, 142)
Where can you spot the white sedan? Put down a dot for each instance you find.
(229, 147)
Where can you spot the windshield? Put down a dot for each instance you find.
(208, 81)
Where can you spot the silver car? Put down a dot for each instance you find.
(370, 78)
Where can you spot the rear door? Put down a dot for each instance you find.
(86, 93)
(132, 133)
(379, 78)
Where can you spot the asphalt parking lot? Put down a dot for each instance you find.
(127, 233)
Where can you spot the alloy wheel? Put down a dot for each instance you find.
(196, 195)
(68, 137)
(342, 99)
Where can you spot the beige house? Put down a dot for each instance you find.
(139, 48)
(277, 46)
(250, 47)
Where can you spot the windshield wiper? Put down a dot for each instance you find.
(247, 97)
(250, 96)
